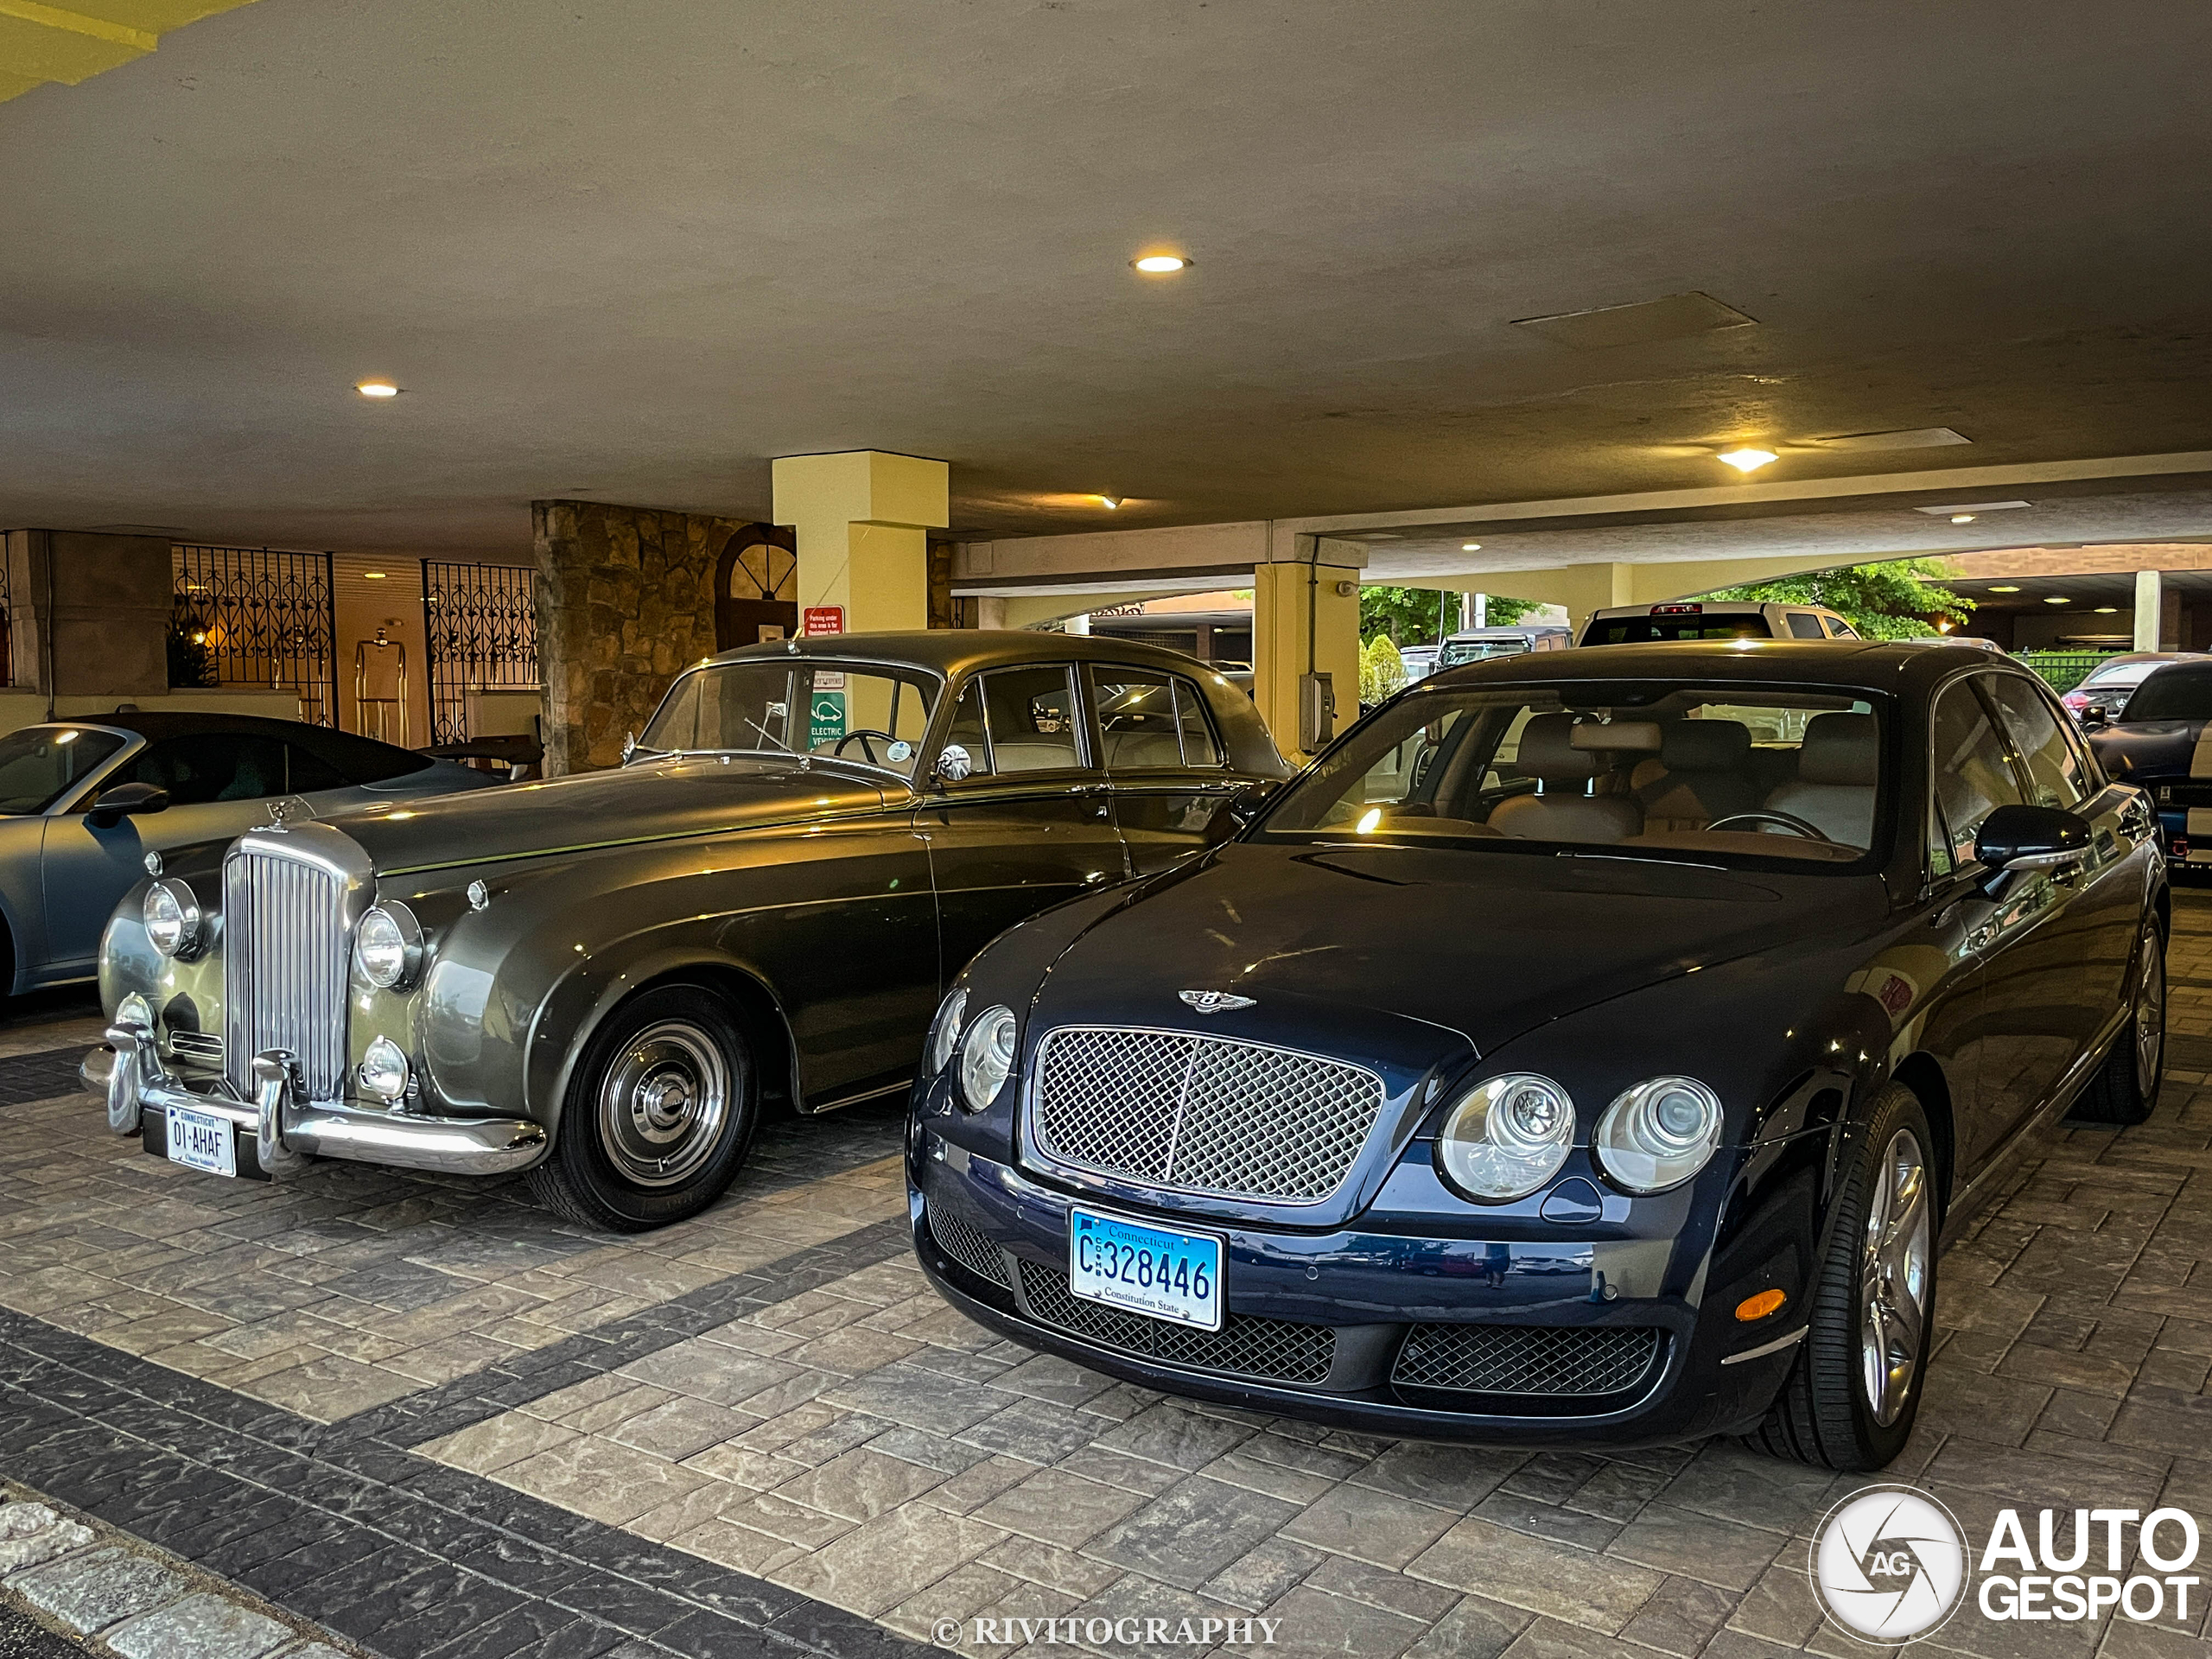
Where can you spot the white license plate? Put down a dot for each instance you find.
(202, 1141)
(1153, 1270)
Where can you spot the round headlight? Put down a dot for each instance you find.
(172, 913)
(944, 1031)
(1507, 1137)
(986, 1057)
(388, 944)
(1658, 1134)
(384, 1070)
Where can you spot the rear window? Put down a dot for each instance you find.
(1647, 630)
(354, 760)
(2172, 694)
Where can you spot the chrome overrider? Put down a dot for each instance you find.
(291, 1127)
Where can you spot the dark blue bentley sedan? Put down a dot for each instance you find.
(1588, 1047)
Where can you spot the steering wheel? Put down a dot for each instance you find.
(1795, 825)
(862, 733)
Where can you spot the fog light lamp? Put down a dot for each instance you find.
(383, 1070)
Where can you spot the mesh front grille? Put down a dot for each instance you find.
(1202, 1115)
(966, 1244)
(284, 950)
(1275, 1350)
(1573, 1359)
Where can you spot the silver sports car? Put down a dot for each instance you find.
(83, 803)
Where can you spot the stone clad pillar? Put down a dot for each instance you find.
(89, 613)
(863, 519)
(625, 597)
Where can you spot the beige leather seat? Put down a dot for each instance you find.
(1703, 774)
(1833, 791)
(1550, 751)
(1126, 751)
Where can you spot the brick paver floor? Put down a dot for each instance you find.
(438, 1422)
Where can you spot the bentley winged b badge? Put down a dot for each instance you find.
(1214, 1001)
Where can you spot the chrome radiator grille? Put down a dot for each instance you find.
(1202, 1115)
(285, 949)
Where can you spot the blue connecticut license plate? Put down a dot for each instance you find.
(202, 1141)
(1153, 1270)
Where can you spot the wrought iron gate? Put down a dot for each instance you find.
(252, 616)
(480, 623)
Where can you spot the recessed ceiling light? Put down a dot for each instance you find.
(374, 575)
(1160, 264)
(1470, 547)
(1746, 460)
(2107, 610)
(2058, 598)
(1962, 518)
(1113, 500)
(377, 389)
(2003, 588)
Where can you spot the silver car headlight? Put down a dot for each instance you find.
(1506, 1137)
(384, 1070)
(945, 1032)
(388, 944)
(986, 1057)
(173, 919)
(1658, 1134)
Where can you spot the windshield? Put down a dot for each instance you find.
(1646, 630)
(40, 763)
(1474, 651)
(1672, 769)
(2174, 693)
(866, 714)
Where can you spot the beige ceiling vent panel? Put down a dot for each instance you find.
(1676, 317)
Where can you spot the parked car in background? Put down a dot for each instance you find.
(84, 803)
(1606, 1072)
(1420, 661)
(1705, 618)
(2153, 736)
(1509, 640)
(2109, 684)
(604, 979)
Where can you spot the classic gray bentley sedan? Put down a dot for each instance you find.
(604, 979)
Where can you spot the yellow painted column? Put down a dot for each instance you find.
(1305, 619)
(863, 519)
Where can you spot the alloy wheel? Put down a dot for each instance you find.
(664, 1102)
(1893, 1279)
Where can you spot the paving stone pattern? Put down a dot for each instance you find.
(458, 1428)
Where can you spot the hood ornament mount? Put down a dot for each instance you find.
(1214, 1001)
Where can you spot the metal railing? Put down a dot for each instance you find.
(479, 623)
(2062, 671)
(256, 617)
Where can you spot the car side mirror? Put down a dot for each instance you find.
(124, 801)
(2032, 838)
(1253, 800)
(2096, 714)
(953, 763)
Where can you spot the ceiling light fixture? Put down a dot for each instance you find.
(374, 575)
(2058, 598)
(1470, 547)
(1962, 518)
(1113, 500)
(1746, 460)
(1160, 264)
(377, 389)
(2001, 588)
(2107, 610)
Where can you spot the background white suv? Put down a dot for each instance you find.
(1693, 619)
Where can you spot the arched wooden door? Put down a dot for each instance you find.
(759, 564)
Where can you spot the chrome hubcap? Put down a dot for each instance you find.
(664, 1103)
(1893, 1279)
(2150, 1012)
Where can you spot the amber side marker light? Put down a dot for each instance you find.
(1758, 1307)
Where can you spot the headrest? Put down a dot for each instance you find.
(1618, 736)
(1548, 750)
(1706, 745)
(1838, 749)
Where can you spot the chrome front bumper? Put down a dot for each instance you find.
(288, 1129)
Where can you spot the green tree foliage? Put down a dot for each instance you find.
(1900, 599)
(1408, 615)
(1381, 670)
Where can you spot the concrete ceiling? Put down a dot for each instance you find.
(633, 251)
